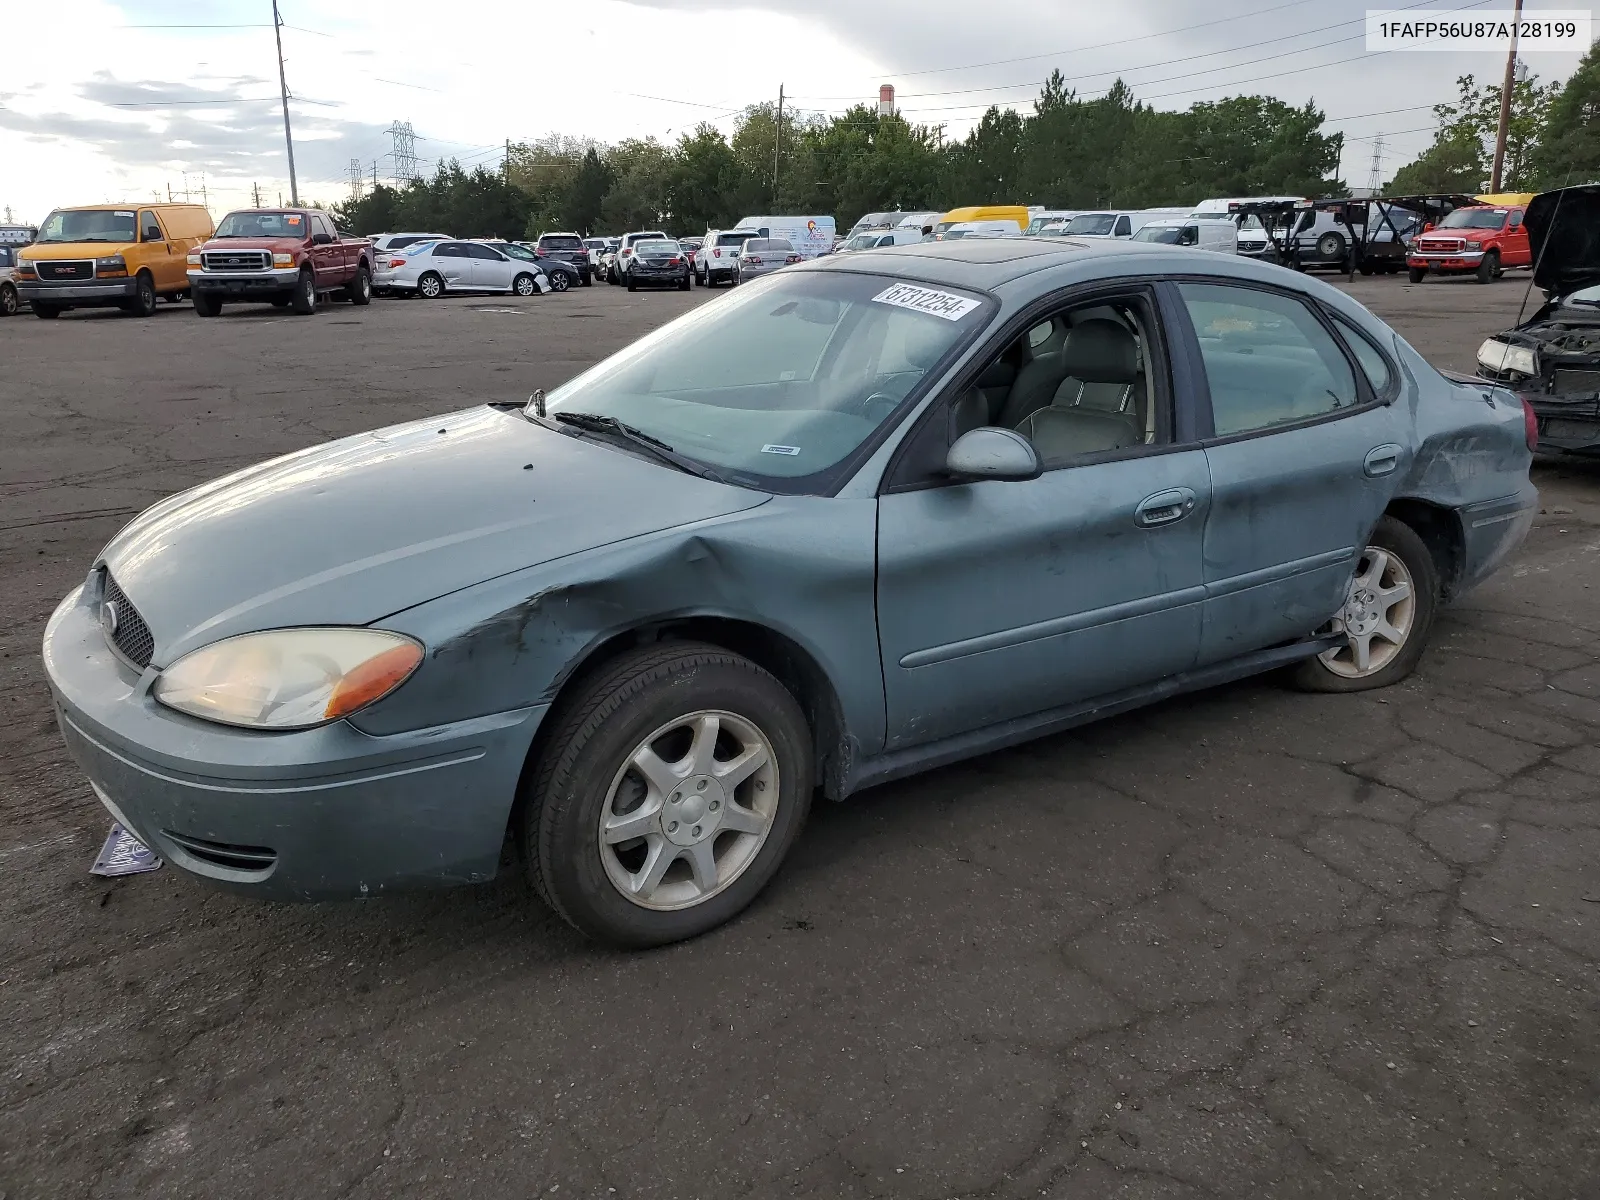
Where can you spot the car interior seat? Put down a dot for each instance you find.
(1101, 354)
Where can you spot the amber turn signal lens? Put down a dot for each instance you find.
(374, 678)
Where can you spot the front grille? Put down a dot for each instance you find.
(1577, 383)
(236, 260)
(125, 628)
(224, 854)
(1441, 245)
(83, 269)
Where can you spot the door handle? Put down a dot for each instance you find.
(1164, 508)
(1381, 460)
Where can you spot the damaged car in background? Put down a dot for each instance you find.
(1552, 360)
(864, 517)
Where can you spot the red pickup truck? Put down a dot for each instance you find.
(286, 256)
(1482, 239)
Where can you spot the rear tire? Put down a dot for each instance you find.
(430, 286)
(46, 312)
(559, 281)
(206, 306)
(1331, 247)
(632, 286)
(359, 289)
(1489, 269)
(1373, 601)
(661, 697)
(303, 300)
(1417, 274)
(588, 278)
(685, 285)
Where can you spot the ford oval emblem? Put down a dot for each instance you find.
(109, 618)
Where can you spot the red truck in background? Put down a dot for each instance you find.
(287, 257)
(1483, 239)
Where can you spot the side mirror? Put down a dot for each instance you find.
(991, 452)
(152, 233)
(320, 239)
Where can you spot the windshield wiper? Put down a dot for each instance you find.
(596, 423)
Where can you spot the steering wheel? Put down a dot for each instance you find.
(878, 406)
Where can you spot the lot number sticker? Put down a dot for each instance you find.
(926, 300)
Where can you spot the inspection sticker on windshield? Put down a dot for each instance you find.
(780, 449)
(920, 299)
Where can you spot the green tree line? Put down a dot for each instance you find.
(1111, 151)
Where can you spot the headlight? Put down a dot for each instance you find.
(1500, 356)
(114, 265)
(281, 259)
(288, 678)
(194, 260)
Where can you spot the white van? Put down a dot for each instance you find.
(1049, 221)
(980, 229)
(1219, 236)
(811, 237)
(922, 222)
(874, 239)
(1111, 223)
(1252, 235)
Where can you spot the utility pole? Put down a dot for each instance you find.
(777, 140)
(374, 175)
(283, 91)
(505, 163)
(1505, 103)
(255, 195)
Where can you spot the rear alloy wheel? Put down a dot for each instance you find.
(1489, 269)
(359, 290)
(668, 795)
(559, 281)
(8, 300)
(1387, 616)
(524, 285)
(430, 286)
(303, 299)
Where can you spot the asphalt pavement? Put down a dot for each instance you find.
(1247, 943)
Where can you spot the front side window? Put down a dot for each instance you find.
(782, 380)
(1268, 360)
(150, 227)
(1124, 227)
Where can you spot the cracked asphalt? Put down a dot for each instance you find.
(1248, 943)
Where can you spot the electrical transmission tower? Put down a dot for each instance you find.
(356, 180)
(405, 152)
(1375, 175)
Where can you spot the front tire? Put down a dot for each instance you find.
(304, 298)
(1387, 617)
(144, 299)
(1331, 247)
(9, 304)
(523, 285)
(559, 281)
(1489, 268)
(671, 789)
(206, 306)
(1417, 274)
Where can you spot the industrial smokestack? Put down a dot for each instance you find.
(886, 100)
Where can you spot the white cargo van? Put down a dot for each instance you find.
(1253, 239)
(1219, 236)
(1112, 223)
(811, 237)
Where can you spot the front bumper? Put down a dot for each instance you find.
(1465, 261)
(244, 283)
(75, 291)
(322, 813)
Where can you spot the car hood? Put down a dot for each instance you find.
(56, 251)
(351, 531)
(253, 243)
(1564, 235)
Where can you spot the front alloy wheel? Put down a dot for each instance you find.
(672, 785)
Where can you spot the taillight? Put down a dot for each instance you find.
(672, 262)
(793, 258)
(396, 262)
(625, 253)
(715, 252)
(753, 261)
(1530, 426)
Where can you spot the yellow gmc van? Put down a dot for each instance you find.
(122, 255)
(983, 212)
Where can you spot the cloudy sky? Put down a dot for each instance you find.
(125, 99)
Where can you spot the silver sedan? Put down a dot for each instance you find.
(762, 256)
(430, 269)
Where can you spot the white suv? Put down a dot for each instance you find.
(718, 258)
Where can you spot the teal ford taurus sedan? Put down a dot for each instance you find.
(865, 517)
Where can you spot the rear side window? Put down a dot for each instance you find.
(1268, 360)
(1373, 364)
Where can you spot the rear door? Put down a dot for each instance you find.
(1303, 456)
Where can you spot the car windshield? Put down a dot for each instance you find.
(262, 225)
(862, 240)
(779, 382)
(1474, 218)
(89, 225)
(1092, 223)
(1168, 234)
(1588, 297)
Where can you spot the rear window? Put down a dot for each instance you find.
(558, 241)
(776, 245)
(733, 239)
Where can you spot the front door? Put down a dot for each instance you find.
(168, 261)
(491, 270)
(1306, 456)
(326, 257)
(997, 600)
